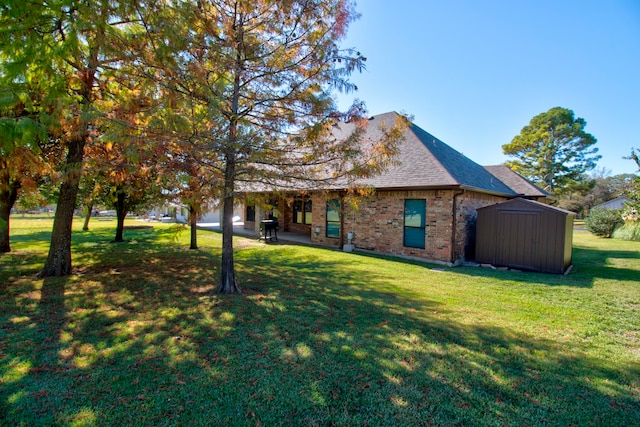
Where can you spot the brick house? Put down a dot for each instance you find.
(423, 206)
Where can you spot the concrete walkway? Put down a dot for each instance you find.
(238, 229)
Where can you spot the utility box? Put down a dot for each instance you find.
(525, 235)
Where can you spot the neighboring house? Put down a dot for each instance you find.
(424, 206)
(617, 203)
(174, 212)
(167, 212)
(212, 216)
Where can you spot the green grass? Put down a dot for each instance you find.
(136, 336)
(628, 231)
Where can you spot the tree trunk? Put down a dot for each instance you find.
(193, 220)
(59, 259)
(228, 283)
(121, 213)
(87, 218)
(8, 198)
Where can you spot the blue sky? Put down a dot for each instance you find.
(473, 73)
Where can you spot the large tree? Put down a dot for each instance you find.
(21, 164)
(126, 157)
(553, 150)
(190, 177)
(264, 74)
(71, 41)
(24, 140)
(194, 186)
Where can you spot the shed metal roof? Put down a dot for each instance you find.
(532, 204)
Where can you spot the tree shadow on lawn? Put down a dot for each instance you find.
(314, 342)
(81, 238)
(601, 263)
(32, 322)
(29, 239)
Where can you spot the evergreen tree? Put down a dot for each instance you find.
(260, 76)
(553, 150)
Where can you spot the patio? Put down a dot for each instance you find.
(238, 229)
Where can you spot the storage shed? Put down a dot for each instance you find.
(525, 235)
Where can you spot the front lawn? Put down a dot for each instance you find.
(136, 336)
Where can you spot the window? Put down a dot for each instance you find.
(415, 212)
(272, 209)
(307, 211)
(251, 213)
(302, 211)
(333, 218)
(297, 212)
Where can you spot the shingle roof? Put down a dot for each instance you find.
(517, 183)
(426, 162)
(617, 203)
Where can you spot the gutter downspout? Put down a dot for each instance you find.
(454, 225)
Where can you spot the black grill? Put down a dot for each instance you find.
(269, 229)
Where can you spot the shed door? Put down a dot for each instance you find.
(517, 239)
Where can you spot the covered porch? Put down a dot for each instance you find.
(306, 217)
(239, 229)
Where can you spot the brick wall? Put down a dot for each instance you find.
(319, 216)
(378, 223)
(466, 211)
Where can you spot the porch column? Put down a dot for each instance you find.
(259, 217)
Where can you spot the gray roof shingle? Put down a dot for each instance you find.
(426, 162)
(617, 203)
(516, 182)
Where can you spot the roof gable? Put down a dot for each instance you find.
(516, 182)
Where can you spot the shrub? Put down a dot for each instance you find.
(629, 231)
(602, 222)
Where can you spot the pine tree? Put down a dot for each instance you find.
(553, 150)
